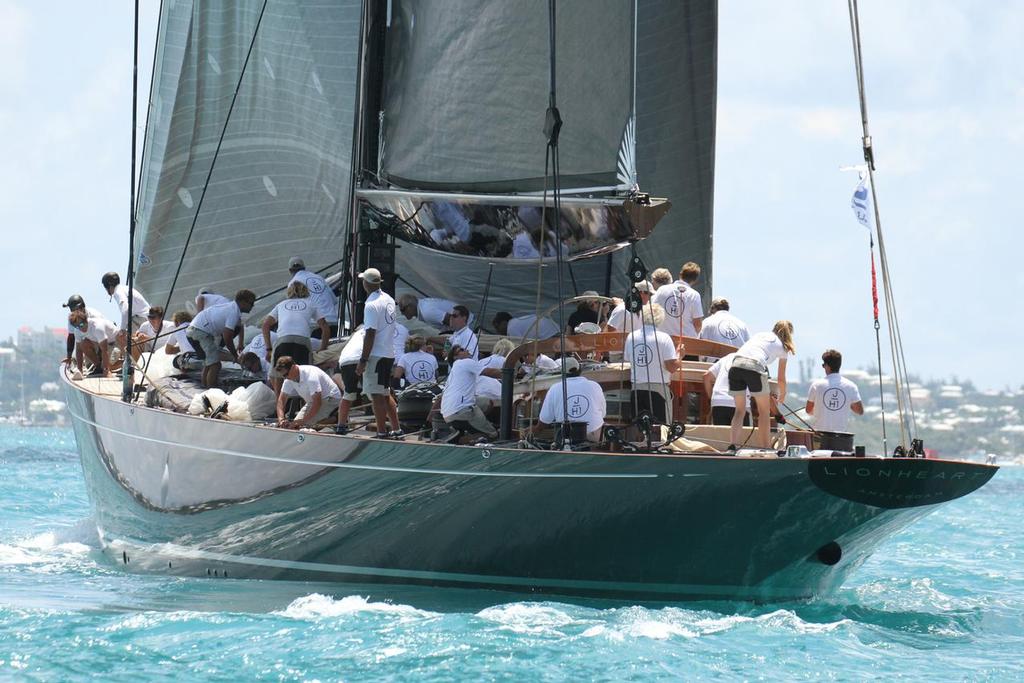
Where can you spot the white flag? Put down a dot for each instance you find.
(859, 203)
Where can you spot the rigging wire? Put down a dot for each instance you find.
(127, 372)
(900, 374)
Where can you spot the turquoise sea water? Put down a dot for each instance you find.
(944, 600)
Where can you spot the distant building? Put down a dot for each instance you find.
(47, 342)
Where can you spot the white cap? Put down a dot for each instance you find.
(571, 364)
(296, 263)
(643, 286)
(590, 292)
(371, 275)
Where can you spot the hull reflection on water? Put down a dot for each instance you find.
(185, 495)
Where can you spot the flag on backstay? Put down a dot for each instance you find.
(859, 203)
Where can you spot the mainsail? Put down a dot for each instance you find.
(281, 180)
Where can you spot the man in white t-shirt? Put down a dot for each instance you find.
(215, 326)
(76, 338)
(153, 334)
(462, 335)
(683, 308)
(311, 384)
(620, 320)
(207, 297)
(346, 378)
(459, 401)
(378, 355)
(119, 293)
(178, 341)
(723, 327)
(436, 311)
(586, 403)
(652, 358)
(832, 399)
(319, 291)
(716, 385)
(408, 308)
(100, 333)
(523, 327)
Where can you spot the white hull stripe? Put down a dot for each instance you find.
(173, 550)
(353, 466)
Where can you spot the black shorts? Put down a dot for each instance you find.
(384, 368)
(298, 352)
(315, 334)
(352, 382)
(742, 380)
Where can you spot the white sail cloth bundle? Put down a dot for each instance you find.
(244, 404)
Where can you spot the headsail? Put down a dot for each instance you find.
(280, 184)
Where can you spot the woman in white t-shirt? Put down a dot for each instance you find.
(749, 372)
(418, 364)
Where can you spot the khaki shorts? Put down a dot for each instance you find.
(207, 346)
(377, 375)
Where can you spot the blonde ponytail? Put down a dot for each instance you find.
(784, 331)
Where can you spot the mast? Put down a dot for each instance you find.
(126, 364)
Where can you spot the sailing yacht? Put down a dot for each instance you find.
(412, 137)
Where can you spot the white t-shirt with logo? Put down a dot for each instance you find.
(523, 326)
(682, 304)
(624, 321)
(100, 330)
(832, 398)
(296, 317)
(720, 396)
(379, 315)
(725, 328)
(312, 380)
(647, 350)
(419, 366)
(258, 346)
(586, 403)
(215, 319)
(488, 387)
(139, 304)
(146, 329)
(321, 294)
(353, 350)
(467, 340)
(460, 387)
(764, 347)
(90, 313)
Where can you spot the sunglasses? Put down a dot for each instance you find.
(80, 326)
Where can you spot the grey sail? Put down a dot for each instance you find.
(466, 87)
(281, 180)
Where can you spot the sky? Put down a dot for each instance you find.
(945, 91)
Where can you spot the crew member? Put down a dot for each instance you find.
(682, 304)
(716, 385)
(207, 297)
(459, 399)
(256, 364)
(653, 357)
(524, 326)
(319, 291)
(749, 372)
(462, 335)
(102, 334)
(408, 307)
(76, 337)
(589, 311)
(832, 399)
(112, 284)
(620, 320)
(218, 325)
(723, 327)
(661, 277)
(437, 312)
(178, 342)
(153, 334)
(378, 355)
(313, 385)
(295, 317)
(586, 403)
(418, 364)
(346, 379)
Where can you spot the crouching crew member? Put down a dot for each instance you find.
(459, 399)
(217, 325)
(310, 383)
(76, 337)
(99, 334)
(716, 385)
(586, 403)
(832, 399)
(119, 293)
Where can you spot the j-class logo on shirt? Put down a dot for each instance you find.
(421, 371)
(834, 398)
(389, 314)
(728, 331)
(642, 355)
(578, 405)
(295, 305)
(315, 286)
(673, 306)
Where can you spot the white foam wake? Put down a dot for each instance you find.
(318, 606)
